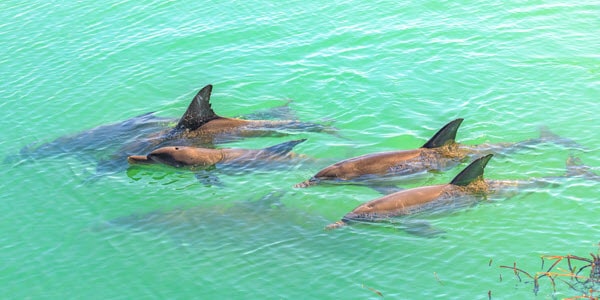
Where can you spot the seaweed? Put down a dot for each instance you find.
(582, 274)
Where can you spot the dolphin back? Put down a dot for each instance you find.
(444, 136)
(472, 172)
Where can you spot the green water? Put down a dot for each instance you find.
(387, 74)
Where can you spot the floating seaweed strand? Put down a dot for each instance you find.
(586, 283)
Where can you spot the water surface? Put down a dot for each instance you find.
(386, 74)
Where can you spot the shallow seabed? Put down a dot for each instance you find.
(386, 74)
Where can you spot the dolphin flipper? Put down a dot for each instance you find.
(199, 111)
(385, 189)
(472, 172)
(208, 178)
(444, 136)
(421, 228)
(284, 148)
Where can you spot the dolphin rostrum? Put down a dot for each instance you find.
(438, 153)
(199, 158)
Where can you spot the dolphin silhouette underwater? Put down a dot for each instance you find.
(250, 223)
(198, 158)
(467, 188)
(199, 126)
(440, 152)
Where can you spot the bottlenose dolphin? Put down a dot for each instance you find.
(195, 157)
(439, 153)
(254, 223)
(201, 122)
(467, 187)
(110, 145)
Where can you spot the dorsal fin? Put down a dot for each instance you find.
(472, 172)
(445, 135)
(284, 148)
(575, 167)
(199, 112)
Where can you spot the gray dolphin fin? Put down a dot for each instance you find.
(445, 135)
(284, 148)
(472, 172)
(385, 189)
(199, 112)
(208, 177)
(576, 168)
(422, 228)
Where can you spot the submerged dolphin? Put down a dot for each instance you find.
(439, 153)
(199, 126)
(194, 157)
(253, 223)
(467, 188)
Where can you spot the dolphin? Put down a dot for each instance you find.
(439, 153)
(201, 122)
(195, 157)
(467, 187)
(110, 145)
(254, 223)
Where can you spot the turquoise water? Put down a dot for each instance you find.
(387, 75)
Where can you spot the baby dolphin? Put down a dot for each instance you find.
(467, 187)
(195, 157)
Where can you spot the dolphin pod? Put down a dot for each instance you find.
(199, 126)
(467, 188)
(439, 153)
(191, 141)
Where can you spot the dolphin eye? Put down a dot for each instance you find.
(176, 148)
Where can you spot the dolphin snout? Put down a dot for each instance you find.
(139, 159)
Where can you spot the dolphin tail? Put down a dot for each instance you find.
(199, 112)
(548, 136)
(445, 135)
(284, 148)
(472, 172)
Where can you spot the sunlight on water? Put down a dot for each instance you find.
(385, 75)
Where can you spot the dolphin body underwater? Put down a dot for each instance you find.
(441, 152)
(199, 126)
(466, 189)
